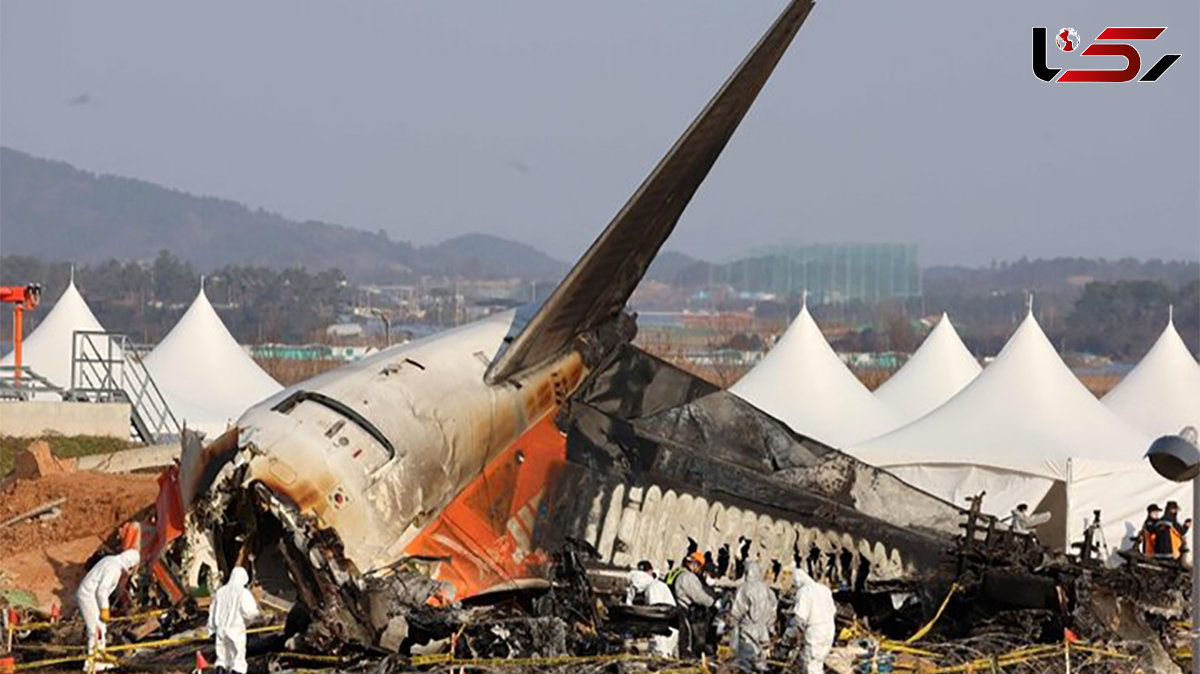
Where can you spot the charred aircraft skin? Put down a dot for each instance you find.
(659, 462)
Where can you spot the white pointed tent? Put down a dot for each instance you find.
(1026, 431)
(1162, 394)
(940, 368)
(47, 350)
(206, 378)
(804, 384)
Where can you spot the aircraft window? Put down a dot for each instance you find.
(289, 403)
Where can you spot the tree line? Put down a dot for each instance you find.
(1117, 319)
(145, 299)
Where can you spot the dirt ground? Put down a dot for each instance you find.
(96, 504)
(45, 557)
(50, 574)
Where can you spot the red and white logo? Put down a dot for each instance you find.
(1112, 41)
(1067, 39)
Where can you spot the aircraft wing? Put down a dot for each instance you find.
(596, 289)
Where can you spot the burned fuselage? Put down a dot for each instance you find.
(362, 459)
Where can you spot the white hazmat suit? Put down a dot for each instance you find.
(814, 615)
(753, 616)
(657, 594)
(97, 589)
(232, 607)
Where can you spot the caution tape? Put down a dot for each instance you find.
(43, 625)
(312, 657)
(447, 658)
(1105, 652)
(159, 643)
(1014, 657)
(919, 634)
(1028, 654)
(182, 641)
(23, 666)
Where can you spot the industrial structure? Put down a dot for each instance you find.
(830, 273)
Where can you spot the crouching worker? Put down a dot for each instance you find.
(232, 607)
(753, 616)
(656, 593)
(93, 595)
(813, 621)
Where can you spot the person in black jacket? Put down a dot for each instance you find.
(1170, 537)
(1144, 541)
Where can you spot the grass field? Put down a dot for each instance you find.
(63, 446)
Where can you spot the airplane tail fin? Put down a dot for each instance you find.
(597, 287)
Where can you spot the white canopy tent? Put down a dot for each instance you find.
(206, 378)
(940, 368)
(1026, 431)
(804, 384)
(47, 350)
(1162, 394)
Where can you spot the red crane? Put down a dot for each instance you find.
(22, 298)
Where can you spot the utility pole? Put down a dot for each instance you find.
(387, 326)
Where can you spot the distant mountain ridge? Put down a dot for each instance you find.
(54, 211)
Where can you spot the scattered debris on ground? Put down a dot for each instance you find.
(1000, 608)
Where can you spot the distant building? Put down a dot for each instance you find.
(310, 352)
(831, 273)
(344, 330)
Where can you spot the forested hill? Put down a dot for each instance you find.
(55, 211)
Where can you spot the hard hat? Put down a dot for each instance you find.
(697, 557)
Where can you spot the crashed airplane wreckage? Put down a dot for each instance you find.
(456, 468)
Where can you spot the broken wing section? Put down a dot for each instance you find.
(596, 289)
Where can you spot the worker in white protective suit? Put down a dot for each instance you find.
(232, 607)
(813, 621)
(656, 593)
(1022, 522)
(753, 616)
(94, 594)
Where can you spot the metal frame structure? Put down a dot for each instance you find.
(107, 367)
(22, 383)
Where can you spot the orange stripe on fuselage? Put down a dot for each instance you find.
(474, 532)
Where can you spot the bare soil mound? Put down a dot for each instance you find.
(96, 504)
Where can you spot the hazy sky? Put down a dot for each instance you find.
(886, 121)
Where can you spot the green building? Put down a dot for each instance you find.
(831, 273)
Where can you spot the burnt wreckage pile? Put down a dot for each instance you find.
(660, 464)
(893, 554)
